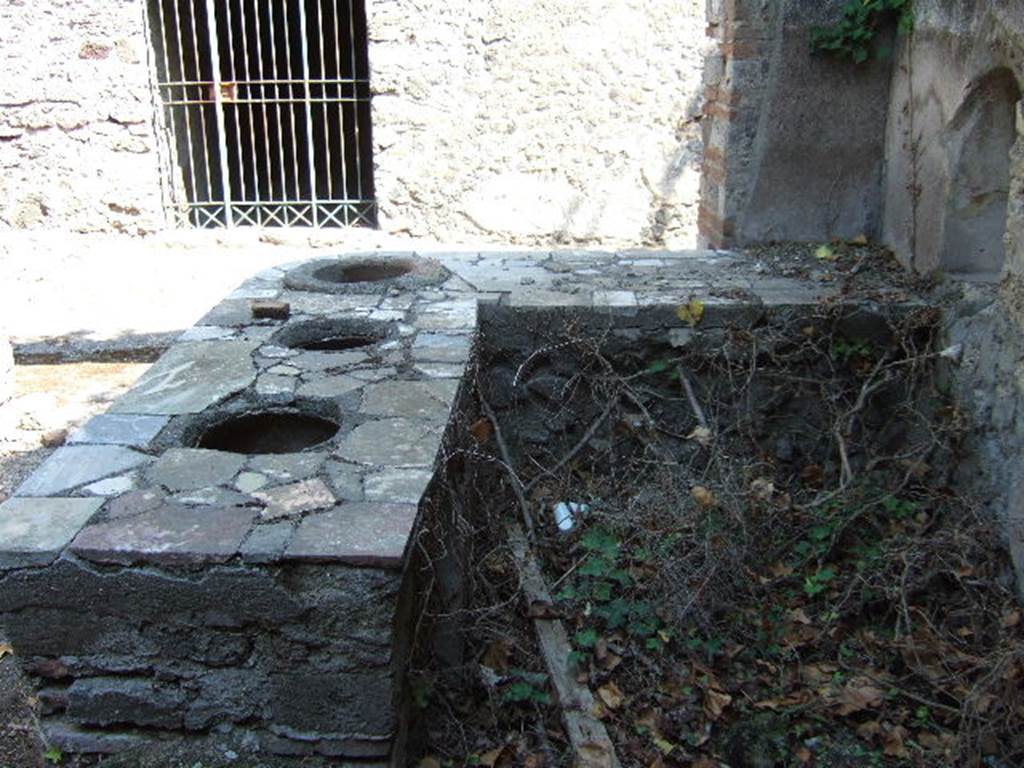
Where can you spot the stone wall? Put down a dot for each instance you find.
(533, 122)
(954, 202)
(786, 158)
(950, 131)
(77, 147)
(538, 121)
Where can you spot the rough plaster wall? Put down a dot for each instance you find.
(77, 148)
(954, 46)
(957, 43)
(538, 121)
(794, 141)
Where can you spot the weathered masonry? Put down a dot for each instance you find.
(235, 545)
(918, 150)
(536, 122)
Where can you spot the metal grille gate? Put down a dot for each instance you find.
(266, 107)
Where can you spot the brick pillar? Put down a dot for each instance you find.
(735, 80)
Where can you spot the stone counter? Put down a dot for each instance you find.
(171, 570)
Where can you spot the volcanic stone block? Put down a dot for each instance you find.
(170, 533)
(392, 442)
(125, 701)
(358, 533)
(184, 469)
(119, 429)
(295, 499)
(72, 466)
(33, 531)
(191, 377)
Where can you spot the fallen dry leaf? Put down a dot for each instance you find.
(5, 650)
(534, 760)
(611, 695)
(593, 754)
(540, 609)
(799, 616)
(858, 695)
(861, 239)
(1010, 619)
(892, 744)
(429, 762)
(701, 435)
(715, 703)
(704, 496)
(481, 430)
(491, 757)
(762, 489)
(497, 655)
(781, 570)
(664, 745)
(867, 731)
(691, 312)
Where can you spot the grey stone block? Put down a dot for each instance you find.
(33, 531)
(401, 485)
(295, 498)
(358, 533)
(72, 466)
(392, 442)
(75, 740)
(409, 399)
(191, 377)
(169, 534)
(119, 429)
(312, 707)
(287, 467)
(266, 543)
(442, 347)
(185, 469)
(227, 696)
(108, 701)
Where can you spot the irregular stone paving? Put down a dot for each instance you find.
(126, 515)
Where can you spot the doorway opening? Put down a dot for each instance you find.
(267, 111)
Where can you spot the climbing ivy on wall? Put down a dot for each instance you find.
(853, 36)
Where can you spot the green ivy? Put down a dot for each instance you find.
(853, 37)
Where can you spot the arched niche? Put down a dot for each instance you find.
(980, 137)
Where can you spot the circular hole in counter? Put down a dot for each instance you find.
(368, 271)
(323, 335)
(268, 432)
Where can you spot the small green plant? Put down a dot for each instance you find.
(853, 36)
(844, 350)
(422, 692)
(602, 581)
(901, 509)
(526, 687)
(818, 582)
(54, 755)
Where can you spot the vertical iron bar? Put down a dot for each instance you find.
(355, 92)
(340, 74)
(236, 109)
(211, 26)
(244, 65)
(310, 158)
(263, 95)
(202, 112)
(323, 90)
(291, 105)
(277, 93)
(185, 108)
